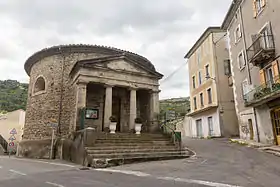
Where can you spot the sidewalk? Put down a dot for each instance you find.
(249, 143)
(272, 149)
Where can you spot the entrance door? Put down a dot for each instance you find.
(275, 116)
(199, 128)
(116, 111)
(250, 124)
(210, 126)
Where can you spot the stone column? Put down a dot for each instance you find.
(154, 111)
(81, 100)
(108, 106)
(133, 109)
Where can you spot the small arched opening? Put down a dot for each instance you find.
(40, 85)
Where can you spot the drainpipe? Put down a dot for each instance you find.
(257, 127)
(248, 69)
(61, 91)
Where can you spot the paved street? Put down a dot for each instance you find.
(217, 163)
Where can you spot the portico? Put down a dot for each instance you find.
(116, 87)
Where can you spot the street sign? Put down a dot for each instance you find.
(12, 138)
(53, 125)
(13, 131)
(11, 144)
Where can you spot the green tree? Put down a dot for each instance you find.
(13, 95)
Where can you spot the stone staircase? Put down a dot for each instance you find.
(116, 149)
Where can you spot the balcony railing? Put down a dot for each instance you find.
(262, 49)
(263, 92)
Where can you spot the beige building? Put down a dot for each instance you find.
(253, 28)
(11, 126)
(211, 96)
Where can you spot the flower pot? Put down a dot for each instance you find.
(113, 127)
(138, 127)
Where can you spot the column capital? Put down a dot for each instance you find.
(154, 91)
(109, 85)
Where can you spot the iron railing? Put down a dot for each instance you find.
(3, 143)
(263, 43)
(263, 90)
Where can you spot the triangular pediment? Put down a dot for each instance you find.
(125, 65)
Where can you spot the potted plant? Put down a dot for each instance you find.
(276, 86)
(138, 125)
(113, 124)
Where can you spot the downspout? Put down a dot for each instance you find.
(248, 70)
(217, 82)
(61, 92)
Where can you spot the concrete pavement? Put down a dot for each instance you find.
(218, 161)
(33, 173)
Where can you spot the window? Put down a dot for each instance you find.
(199, 78)
(39, 86)
(207, 71)
(258, 6)
(237, 34)
(201, 99)
(209, 93)
(193, 81)
(199, 128)
(241, 60)
(227, 67)
(245, 88)
(210, 126)
(194, 103)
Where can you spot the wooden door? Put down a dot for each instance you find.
(250, 124)
(275, 116)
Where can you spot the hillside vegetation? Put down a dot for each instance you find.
(13, 95)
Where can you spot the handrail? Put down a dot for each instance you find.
(264, 89)
(3, 142)
(262, 42)
(164, 124)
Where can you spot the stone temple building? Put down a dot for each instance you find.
(67, 80)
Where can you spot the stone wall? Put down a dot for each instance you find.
(43, 107)
(95, 100)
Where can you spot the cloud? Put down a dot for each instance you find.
(161, 30)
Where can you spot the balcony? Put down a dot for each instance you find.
(263, 93)
(262, 50)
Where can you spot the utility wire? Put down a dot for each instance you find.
(173, 73)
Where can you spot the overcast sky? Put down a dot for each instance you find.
(161, 30)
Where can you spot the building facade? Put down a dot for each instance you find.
(211, 96)
(252, 27)
(67, 80)
(11, 127)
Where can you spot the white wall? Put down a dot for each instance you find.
(205, 128)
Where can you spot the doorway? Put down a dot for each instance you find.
(250, 124)
(116, 111)
(275, 117)
(199, 133)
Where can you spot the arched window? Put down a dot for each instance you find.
(40, 85)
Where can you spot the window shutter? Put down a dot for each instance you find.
(262, 77)
(239, 33)
(244, 60)
(254, 8)
(275, 70)
(263, 3)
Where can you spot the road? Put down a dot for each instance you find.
(216, 163)
(31, 173)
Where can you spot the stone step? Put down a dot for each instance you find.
(131, 147)
(118, 135)
(276, 153)
(130, 141)
(132, 138)
(135, 155)
(115, 151)
(103, 163)
(133, 144)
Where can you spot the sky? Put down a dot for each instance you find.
(161, 30)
